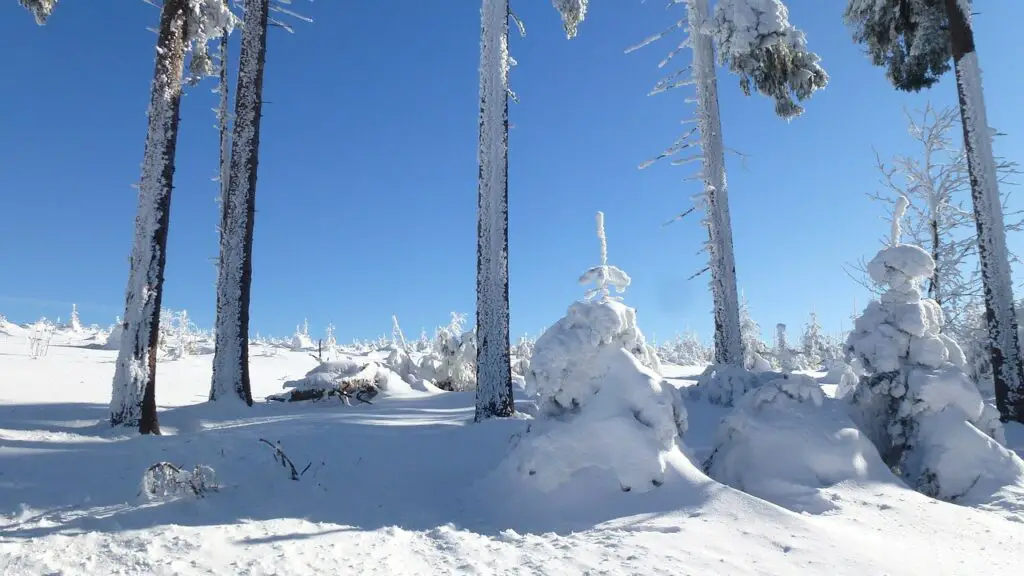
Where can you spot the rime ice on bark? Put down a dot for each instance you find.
(494, 371)
(728, 342)
(231, 356)
(133, 400)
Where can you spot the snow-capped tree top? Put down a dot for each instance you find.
(896, 230)
(756, 40)
(901, 266)
(604, 275)
(910, 38)
(207, 19)
(573, 12)
(41, 9)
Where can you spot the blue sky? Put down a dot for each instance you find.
(367, 183)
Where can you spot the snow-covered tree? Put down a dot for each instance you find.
(913, 399)
(755, 351)
(937, 183)
(756, 41)
(915, 40)
(74, 322)
(183, 23)
(812, 343)
(493, 365)
(41, 9)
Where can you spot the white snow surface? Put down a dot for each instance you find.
(410, 485)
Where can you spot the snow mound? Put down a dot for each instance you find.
(563, 372)
(601, 405)
(723, 384)
(755, 446)
(365, 379)
(900, 266)
(843, 377)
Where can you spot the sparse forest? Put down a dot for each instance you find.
(765, 446)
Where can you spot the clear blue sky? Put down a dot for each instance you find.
(367, 181)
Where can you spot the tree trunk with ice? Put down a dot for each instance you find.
(494, 368)
(728, 342)
(231, 349)
(224, 123)
(992, 251)
(133, 399)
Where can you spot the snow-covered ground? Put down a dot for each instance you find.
(409, 485)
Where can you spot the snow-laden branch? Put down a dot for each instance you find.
(41, 9)
(573, 12)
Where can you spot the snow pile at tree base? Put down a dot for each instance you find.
(342, 379)
(600, 406)
(785, 441)
(723, 384)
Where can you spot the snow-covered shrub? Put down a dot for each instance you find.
(114, 334)
(915, 405)
(451, 362)
(784, 441)
(723, 384)
(343, 379)
(844, 377)
(601, 404)
(74, 323)
(755, 351)
(521, 355)
(686, 350)
(301, 340)
(165, 480)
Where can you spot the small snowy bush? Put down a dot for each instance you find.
(343, 379)
(165, 480)
(686, 350)
(723, 384)
(601, 403)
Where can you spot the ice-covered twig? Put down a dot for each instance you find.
(897, 216)
(284, 460)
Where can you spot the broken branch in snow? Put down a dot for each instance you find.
(284, 460)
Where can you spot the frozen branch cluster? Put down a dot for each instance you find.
(573, 12)
(41, 9)
(758, 43)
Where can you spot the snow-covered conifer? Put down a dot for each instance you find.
(812, 343)
(914, 40)
(594, 375)
(74, 322)
(911, 400)
(133, 399)
(770, 55)
(41, 9)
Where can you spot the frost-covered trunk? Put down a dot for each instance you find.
(933, 284)
(728, 343)
(223, 122)
(493, 366)
(133, 398)
(231, 349)
(992, 252)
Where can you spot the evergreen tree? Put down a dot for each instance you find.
(915, 40)
(41, 9)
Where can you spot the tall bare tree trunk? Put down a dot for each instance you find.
(728, 340)
(1000, 316)
(133, 401)
(493, 364)
(231, 347)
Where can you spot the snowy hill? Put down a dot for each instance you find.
(409, 485)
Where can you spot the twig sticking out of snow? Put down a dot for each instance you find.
(604, 275)
(285, 461)
(897, 216)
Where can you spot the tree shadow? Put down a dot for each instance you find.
(415, 463)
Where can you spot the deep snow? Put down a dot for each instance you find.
(410, 485)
